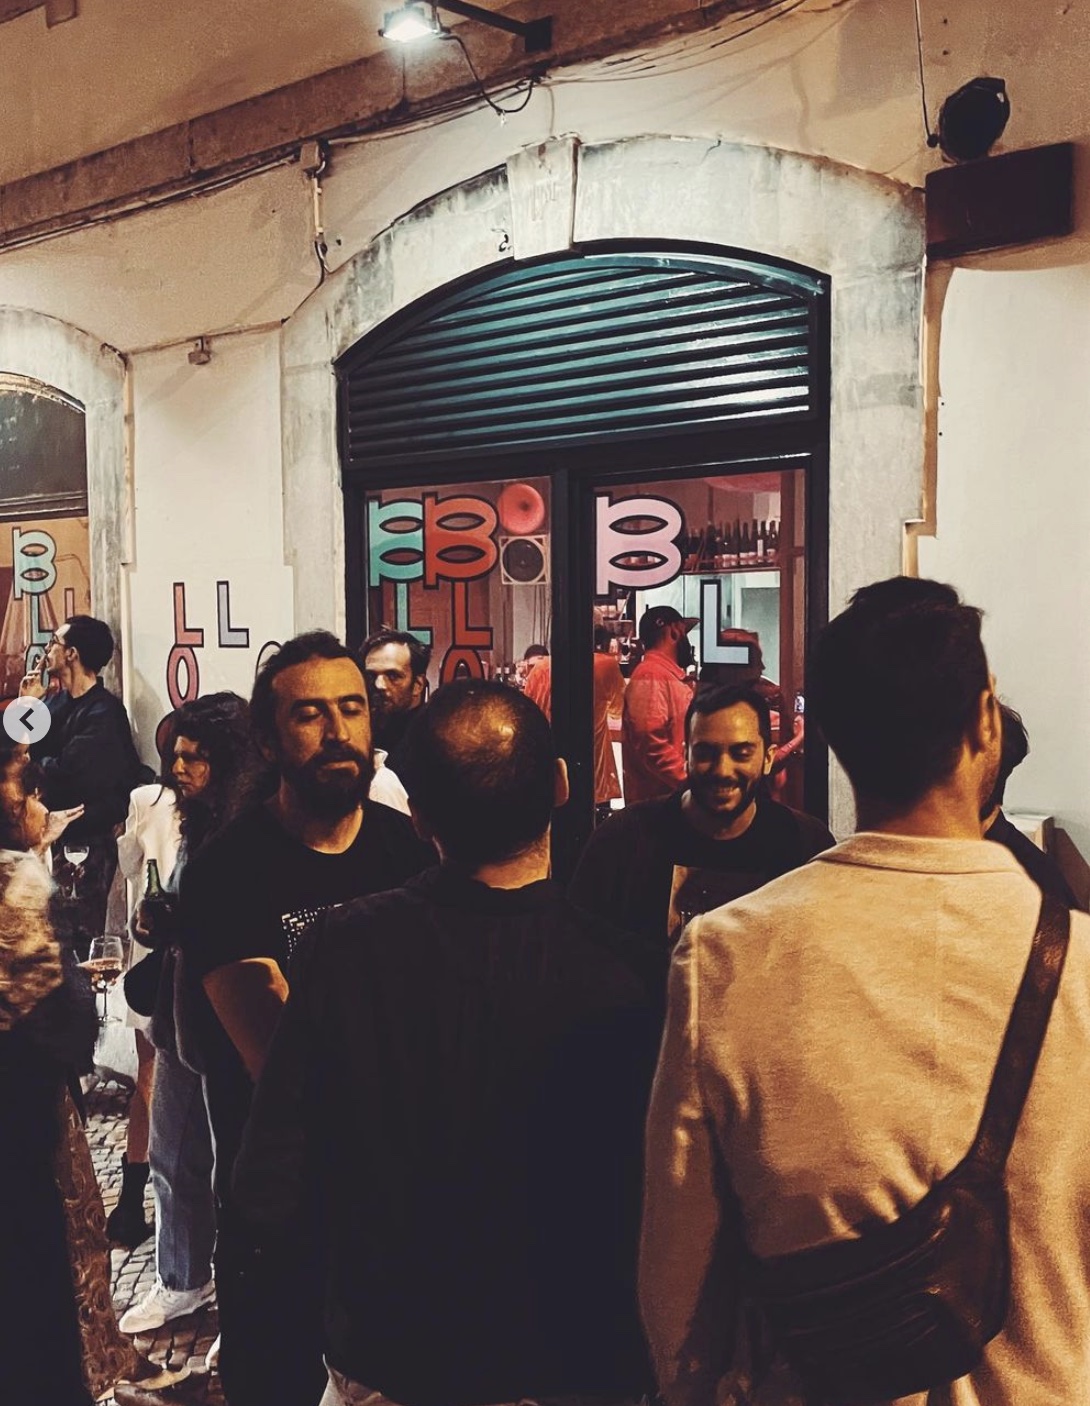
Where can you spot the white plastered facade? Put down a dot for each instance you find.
(560, 193)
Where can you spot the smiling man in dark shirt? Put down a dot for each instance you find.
(655, 865)
(460, 1081)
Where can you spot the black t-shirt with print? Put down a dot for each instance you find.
(253, 892)
(647, 853)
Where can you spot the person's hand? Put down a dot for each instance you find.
(57, 822)
(31, 686)
(143, 921)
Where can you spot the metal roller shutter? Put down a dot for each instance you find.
(581, 349)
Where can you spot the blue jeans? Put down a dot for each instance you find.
(181, 1159)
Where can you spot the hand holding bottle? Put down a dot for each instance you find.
(153, 921)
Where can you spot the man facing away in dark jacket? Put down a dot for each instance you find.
(454, 1099)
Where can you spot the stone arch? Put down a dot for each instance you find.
(863, 231)
(62, 356)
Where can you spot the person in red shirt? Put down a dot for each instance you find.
(608, 699)
(655, 703)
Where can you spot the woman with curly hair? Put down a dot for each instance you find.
(211, 765)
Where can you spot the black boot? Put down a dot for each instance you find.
(126, 1224)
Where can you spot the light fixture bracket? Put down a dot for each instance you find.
(537, 35)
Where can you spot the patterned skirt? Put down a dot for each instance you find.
(108, 1356)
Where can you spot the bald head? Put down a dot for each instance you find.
(482, 771)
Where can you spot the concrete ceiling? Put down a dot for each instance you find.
(123, 68)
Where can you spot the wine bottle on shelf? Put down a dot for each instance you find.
(753, 542)
(692, 549)
(731, 560)
(762, 543)
(772, 549)
(744, 551)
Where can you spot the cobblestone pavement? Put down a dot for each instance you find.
(185, 1340)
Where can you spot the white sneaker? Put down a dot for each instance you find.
(163, 1304)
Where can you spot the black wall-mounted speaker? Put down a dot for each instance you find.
(999, 201)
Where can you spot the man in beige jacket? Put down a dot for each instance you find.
(832, 1036)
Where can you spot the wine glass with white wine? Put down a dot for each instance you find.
(105, 963)
(75, 853)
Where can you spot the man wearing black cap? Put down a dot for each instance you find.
(655, 704)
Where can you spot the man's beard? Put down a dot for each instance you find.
(685, 653)
(703, 791)
(334, 793)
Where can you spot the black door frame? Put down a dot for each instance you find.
(575, 472)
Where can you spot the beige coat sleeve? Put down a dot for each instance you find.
(687, 1297)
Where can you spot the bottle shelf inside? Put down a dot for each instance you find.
(731, 570)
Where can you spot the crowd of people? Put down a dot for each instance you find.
(436, 1130)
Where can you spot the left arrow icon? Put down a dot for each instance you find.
(27, 720)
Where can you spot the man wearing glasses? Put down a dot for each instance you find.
(87, 758)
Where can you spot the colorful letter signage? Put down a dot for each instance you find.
(636, 541)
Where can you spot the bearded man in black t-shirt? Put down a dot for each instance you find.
(246, 902)
(653, 866)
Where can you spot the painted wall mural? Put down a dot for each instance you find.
(183, 670)
(45, 577)
(44, 540)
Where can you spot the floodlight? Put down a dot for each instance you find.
(416, 20)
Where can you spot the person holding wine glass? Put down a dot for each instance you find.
(59, 1339)
(105, 963)
(87, 758)
(75, 856)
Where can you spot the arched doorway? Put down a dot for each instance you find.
(556, 445)
(45, 568)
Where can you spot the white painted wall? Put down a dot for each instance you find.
(836, 79)
(207, 509)
(1014, 505)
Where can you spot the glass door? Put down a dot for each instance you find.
(726, 551)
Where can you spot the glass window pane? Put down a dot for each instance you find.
(727, 552)
(466, 568)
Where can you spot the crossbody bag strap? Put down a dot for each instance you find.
(1023, 1039)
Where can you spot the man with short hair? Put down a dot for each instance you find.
(395, 665)
(87, 758)
(460, 1080)
(246, 902)
(652, 867)
(655, 703)
(831, 1037)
